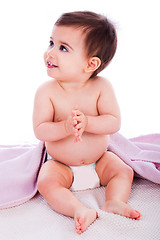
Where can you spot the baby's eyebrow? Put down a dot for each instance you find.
(64, 43)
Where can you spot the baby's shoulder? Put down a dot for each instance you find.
(101, 82)
(47, 86)
(46, 89)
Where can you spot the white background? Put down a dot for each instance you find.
(25, 28)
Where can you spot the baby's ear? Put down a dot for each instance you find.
(93, 64)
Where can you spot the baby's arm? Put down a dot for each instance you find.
(108, 120)
(44, 127)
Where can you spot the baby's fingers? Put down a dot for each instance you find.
(78, 139)
(74, 122)
(82, 122)
(80, 132)
(76, 112)
(79, 126)
(78, 118)
(77, 135)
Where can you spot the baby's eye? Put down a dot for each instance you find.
(51, 43)
(63, 48)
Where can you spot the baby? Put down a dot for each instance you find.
(74, 113)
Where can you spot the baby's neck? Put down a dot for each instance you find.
(72, 86)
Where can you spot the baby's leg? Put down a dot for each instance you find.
(118, 177)
(53, 183)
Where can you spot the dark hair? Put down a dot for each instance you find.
(100, 34)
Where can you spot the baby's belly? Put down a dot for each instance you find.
(88, 151)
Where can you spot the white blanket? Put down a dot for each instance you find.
(35, 220)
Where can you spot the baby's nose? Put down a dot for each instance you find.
(51, 52)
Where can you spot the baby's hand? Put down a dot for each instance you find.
(80, 123)
(69, 125)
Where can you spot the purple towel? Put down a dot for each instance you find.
(20, 164)
(141, 153)
(19, 168)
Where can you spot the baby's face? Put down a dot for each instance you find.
(65, 57)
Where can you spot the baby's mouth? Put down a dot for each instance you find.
(51, 65)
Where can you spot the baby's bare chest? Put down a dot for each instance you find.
(64, 104)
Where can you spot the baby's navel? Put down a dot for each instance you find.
(82, 162)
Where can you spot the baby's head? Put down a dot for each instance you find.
(100, 35)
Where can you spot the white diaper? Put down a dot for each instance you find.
(85, 177)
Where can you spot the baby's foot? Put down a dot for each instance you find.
(84, 217)
(122, 209)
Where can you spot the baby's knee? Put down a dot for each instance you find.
(127, 172)
(46, 183)
(41, 184)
